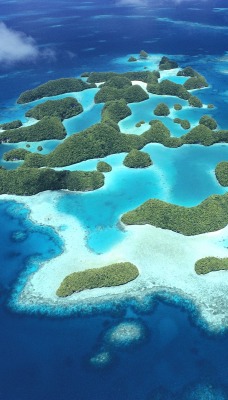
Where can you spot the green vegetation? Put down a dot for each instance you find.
(194, 101)
(209, 264)
(47, 128)
(203, 135)
(118, 81)
(187, 71)
(11, 125)
(29, 181)
(208, 121)
(159, 133)
(85, 74)
(208, 216)
(137, 159)
(210, 106)
(221, 172)
(98, 141)
(177, 107)
(111, 275)
(39, 148)
(97, 77)
(167, 87)
(166, 63)
(103, 139)
(184, 123)
(138, 124)
(144, 76)
(143, 54)
(53, 88)
(15, 154)
(196, 82)
(64, 108)
(132, 59)
(132, 94)
(115, 110)
(102, 166)
(161, 110)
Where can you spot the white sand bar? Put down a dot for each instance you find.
(164, 258)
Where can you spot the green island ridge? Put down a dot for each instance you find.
(47, 128)
(144, 76)
(53, 88)
(15, 154)
(208, 216)
(169, 88)
(166, 64)
(161, 110)
(111, 275)
(137, 159)
(103, 139)
(30, 181)
(188, 72)
(210, 264)
(138, 124)
(221, 172)
(208, 121)
(143, 54)
(194, 101)
(102, 166)
(195, 81)
(132, 59)
(63, 109)
(115, 110)
(11, 125)
(177, 107)
(132, 94)
(184, 123)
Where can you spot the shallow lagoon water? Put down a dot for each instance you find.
(183, 176)
(48, 358)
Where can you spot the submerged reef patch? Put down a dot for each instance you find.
(102, 359)
(204, 392)
(126, 334)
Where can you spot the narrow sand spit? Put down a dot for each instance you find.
(140, 83)
(164, 258)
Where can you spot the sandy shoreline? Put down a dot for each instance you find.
(164, 258)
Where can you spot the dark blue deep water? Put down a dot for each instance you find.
(47, 358)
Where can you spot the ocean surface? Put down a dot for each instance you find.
(45, 357)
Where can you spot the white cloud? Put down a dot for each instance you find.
(135, 3)
(143, 3)
(16, 46)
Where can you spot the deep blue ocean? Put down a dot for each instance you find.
(44, 357)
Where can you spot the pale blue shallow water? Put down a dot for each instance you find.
(183, 176)
(44, 357)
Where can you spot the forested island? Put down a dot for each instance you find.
(208, 216)
(111, 275)
(116, 91)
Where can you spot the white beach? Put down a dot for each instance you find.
(164, 258)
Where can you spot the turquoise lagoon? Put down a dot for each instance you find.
(45, 356)
(183, 176)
